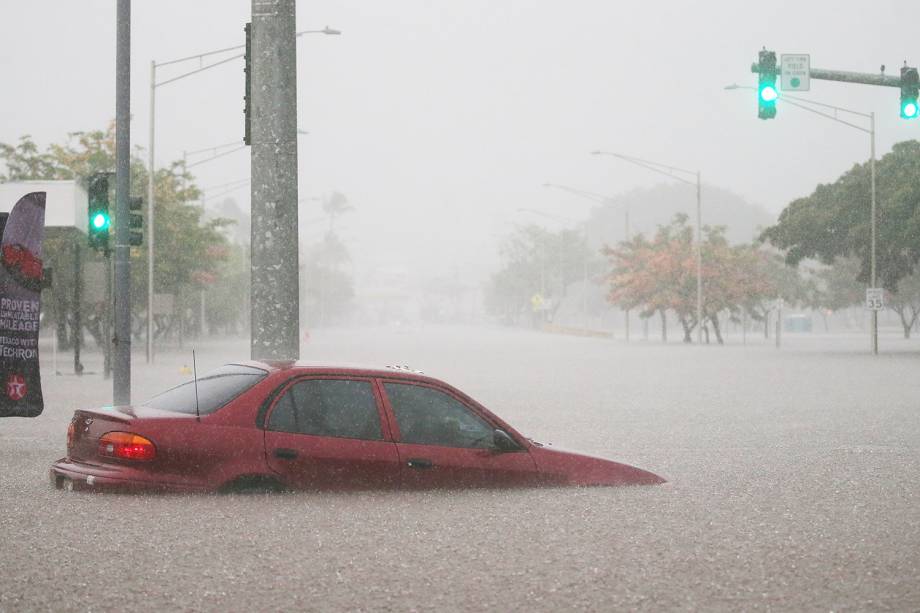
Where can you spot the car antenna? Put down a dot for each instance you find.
(195, 377)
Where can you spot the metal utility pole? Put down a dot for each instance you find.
(274, 264)
(121, 381)
(670, 171)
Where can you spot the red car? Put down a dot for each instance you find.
(295, 426)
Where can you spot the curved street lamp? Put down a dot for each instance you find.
(672, 171)
(150, 165)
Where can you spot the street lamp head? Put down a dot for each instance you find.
(732, 86)
(331, 31)
(597, 152)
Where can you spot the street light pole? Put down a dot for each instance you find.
(794, 101)
(150, 165)
(151, 169)
(699, 261)
(873, 228)
(669, 171)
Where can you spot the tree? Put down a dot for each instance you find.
(188, 251)
(536, 261)
(906, 302)
(652, 276)
(834, 220)
(661, 275)
(836, 287)
(336, 204)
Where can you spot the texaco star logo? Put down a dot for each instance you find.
(16, 387)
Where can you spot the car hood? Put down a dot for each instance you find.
(571, 468)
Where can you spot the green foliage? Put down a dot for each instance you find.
(837, 287)
(834, 221)
(190, 252)
(906, 302)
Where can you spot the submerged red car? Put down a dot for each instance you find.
(298, 426)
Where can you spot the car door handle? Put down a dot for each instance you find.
(420, 463)
(285, 454)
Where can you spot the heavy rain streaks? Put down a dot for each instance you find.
(677, 239)
(776, 497)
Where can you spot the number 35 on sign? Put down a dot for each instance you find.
(875, 298)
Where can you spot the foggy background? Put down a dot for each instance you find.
(792, 468)
(438, 120)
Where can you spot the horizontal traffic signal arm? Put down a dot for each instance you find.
(843, 76)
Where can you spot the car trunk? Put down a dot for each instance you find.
(89, 425)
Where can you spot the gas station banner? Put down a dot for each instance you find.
(20, 307)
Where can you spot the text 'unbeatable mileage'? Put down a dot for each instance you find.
(19, 315)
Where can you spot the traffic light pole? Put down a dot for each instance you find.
(873, 213)
(121, 381)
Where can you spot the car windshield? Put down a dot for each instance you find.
(215, 389)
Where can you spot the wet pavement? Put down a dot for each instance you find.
(794, 484)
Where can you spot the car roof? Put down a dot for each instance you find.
(398, 371)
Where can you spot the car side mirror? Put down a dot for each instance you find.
(503, 442)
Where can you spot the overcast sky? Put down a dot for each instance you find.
(439, 119)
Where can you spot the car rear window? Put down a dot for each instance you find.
(215, 389)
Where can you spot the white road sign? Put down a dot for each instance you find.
(875, 298)
(796, 72)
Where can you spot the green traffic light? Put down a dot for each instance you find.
(909, 109)
(100, 221)
(768, 93)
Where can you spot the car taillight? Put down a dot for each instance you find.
(126, 446)
(71, 433)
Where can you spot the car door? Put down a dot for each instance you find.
(327, 433)
(444, 442)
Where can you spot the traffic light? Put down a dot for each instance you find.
(909, 87)
(247, 94)
(136, 221)
(99, 219)
(766, 87)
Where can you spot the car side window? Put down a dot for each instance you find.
(328, 407)
(283, 417)
(427, 416)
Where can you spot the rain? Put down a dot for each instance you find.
(682, 238)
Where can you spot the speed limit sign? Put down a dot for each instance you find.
(875, 298)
